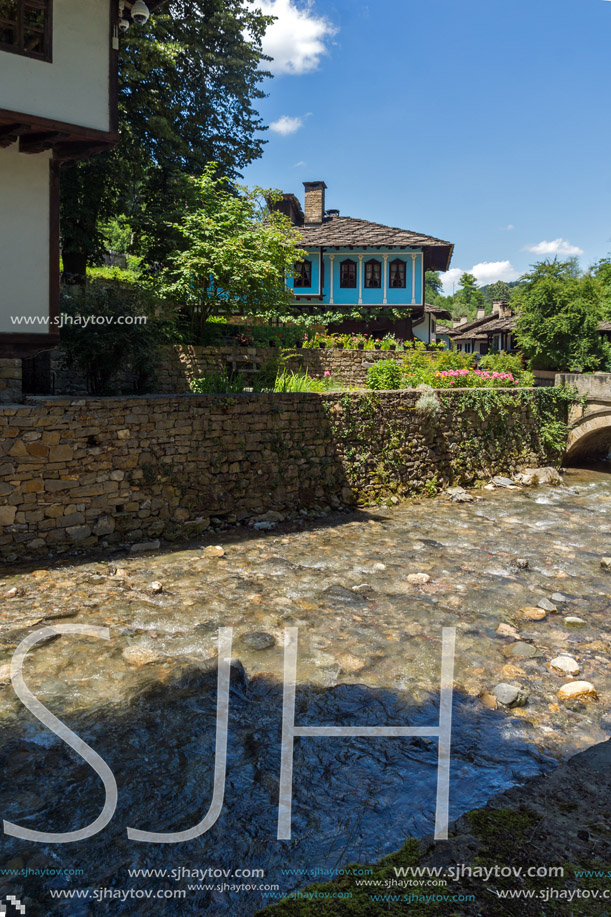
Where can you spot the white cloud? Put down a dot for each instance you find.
(286, 125)
(557, 247)
(507, 228)
(485, 272)
(300, 164)
(297, 39)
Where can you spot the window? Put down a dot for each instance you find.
(25, 27)
(347, 275)
(397, 275)
(373, 275)
(303, 274)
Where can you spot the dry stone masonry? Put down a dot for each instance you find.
(77, 473)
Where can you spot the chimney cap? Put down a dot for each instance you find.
(333, 213)
(314, 185)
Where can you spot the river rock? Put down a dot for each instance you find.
(459, 495)
(258, 640)
(350, 663)
(521, 563)
(12, 593)
(531, 613)
(5, 674)
(507, 630)
(565, 665)
(155, 587)
(519, 650)
(575, 689)
(546, 605)
(499, 481)
(574, 621)
(213, 550)
(606, 563)
(510, 695)
(558, 597)
(140, 655)
(546, 475)
(418, 579)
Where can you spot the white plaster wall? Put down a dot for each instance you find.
(24, 239)
(74, 86)
(423, 331)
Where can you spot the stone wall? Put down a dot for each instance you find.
(176, 366)
(10, 380)
(83, 472)
(179, 365)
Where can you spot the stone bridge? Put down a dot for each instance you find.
(590, 425)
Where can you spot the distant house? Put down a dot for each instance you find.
(356, 264)
(604, 329)
(495, 331)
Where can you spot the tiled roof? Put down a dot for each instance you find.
(340, 232)
(438, 311)
(604, 326)
(442, 329)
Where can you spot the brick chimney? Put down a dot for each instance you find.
(314, 202)
(481, 313)
(498, 307)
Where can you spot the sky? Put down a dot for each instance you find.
(481, 122)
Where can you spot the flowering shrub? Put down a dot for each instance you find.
(473, 378)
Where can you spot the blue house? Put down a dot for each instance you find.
(356, 264)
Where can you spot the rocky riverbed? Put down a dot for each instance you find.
(519, 573)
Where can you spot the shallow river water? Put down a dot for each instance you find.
(369, 654)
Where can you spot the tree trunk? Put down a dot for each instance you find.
(75, 267)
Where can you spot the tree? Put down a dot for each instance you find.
(433, 286)
(188, 83)
(558, 316)
(498, 290)
(236, 253)
(469, 297)
(602, 275)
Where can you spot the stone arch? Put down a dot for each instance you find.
(590, 438)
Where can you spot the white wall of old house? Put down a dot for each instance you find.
(73, 87)
(24, 239)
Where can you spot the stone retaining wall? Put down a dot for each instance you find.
(78, 473)
(176, 366)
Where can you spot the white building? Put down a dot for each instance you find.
(58, 104)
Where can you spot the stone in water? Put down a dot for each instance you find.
(577, 689)
(565, 665)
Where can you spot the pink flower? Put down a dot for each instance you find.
(327, 373)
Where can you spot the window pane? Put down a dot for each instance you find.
(8, 10)
(303, 274)
(33, 41)
(397, 274)
(8, 35)
(348, 274)
(33, 17)
(373, 275)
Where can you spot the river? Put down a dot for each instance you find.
(369, 654)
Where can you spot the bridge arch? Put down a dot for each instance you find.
(589, 438)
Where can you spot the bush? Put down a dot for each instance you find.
(428, 403)
(218, 384)
(507, 363)
(385, 376)
(108, 329)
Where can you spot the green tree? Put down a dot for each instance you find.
(188, 84)
(558, 316)
(602, 275)
(235, 254)
(469, 297)
(498, 290)
(433, 286)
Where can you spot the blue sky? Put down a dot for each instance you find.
(483, 122)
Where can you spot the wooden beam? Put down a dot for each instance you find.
(37, 142)
(9, 133)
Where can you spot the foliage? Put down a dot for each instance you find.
(218, 384)
(497, 290)
(104, 332)
(385, 375)
(353, 341)
(469, 297)
(302, 382)
(428, 403)
(558, 316)
(235, 256)
(503, 362)
(189, 84)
